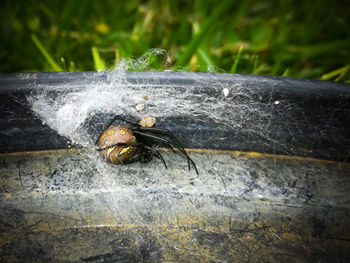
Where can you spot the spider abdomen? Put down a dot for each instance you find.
(120, 144)
(112, 136)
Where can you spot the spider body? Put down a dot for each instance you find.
(117, 154)
(123, 145)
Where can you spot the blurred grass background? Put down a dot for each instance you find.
(307, 39)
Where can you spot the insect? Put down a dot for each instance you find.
(121, 144)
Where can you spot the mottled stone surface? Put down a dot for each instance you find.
(69, 206)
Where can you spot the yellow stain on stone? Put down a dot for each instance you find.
(41, 153)
(51, 223)
(267, 155)
(208, 151)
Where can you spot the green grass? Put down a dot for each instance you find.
(306, 39)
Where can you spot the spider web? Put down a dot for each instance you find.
(226, 105)
(136, 192)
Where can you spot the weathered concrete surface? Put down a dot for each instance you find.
(69, 206)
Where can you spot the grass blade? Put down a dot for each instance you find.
(46, 54)
(339, 73)
(281, 38)
(205, 56)
(99, 63)
(255, 64)
(199, 36)
(235, 63)
(319, 48)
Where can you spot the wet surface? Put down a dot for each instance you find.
(71, 206)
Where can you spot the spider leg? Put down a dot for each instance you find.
(135, 158)
(179, 145)
(120, 144)
(169, 144)
(155, 138)
(165, 132)
(157, 154)
(117, 117)
(96, 142)
(171, 135)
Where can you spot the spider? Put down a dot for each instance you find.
(120, 144)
